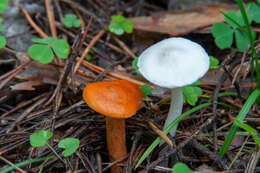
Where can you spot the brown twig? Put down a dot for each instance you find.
(33, 24)
(51, 18)
(160, 133)
(13, 74)
(86, 51)
(112, 74)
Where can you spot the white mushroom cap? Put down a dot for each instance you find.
(173, 62)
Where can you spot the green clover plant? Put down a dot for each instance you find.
(71, 20)
(45, 48)
(70, 146)
(146, 90)
(120, 25)
(40, 139)
(223, 32)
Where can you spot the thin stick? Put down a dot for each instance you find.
(10, 163)
(86, 51)
(51, 18)
(161, 134)
(12, 75)
(33, 24)
(112, 74)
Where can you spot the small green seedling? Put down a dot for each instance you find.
(234, 24)
(89, 56)
(191, 93)
(70, 146)
(71, 20)
(146, 90)
(214, 62)
(181, 168)
(45, 48)
(120, 25)
(253, 132)
(40, 139)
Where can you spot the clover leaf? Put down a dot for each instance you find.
(146, 90)
(71, 20)
(223, 35)
(70, 145)
(120, 25)
(45, 48)
(40, 138)
(191, 94)
(223, 32)
(253, 10)
(213, 62)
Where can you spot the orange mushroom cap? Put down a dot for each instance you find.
(117, 99)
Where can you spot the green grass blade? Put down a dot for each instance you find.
(26, 162)
(241, 116)
(167, 130)
(250, 35)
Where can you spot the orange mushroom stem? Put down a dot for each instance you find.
(116, 100)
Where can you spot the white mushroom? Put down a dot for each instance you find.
(174, 63)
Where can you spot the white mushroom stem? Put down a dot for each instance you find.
(175, 108)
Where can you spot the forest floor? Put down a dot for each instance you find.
(35, 96)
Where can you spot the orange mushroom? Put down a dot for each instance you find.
(116, 100)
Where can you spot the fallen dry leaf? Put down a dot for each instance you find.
(28, 85)
(181, 22)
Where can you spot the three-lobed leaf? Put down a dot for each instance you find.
(71, 20)
(45, 48)
(40, 138)
(70, 145)
(120, 25)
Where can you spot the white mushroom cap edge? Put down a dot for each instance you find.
(173, 62)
